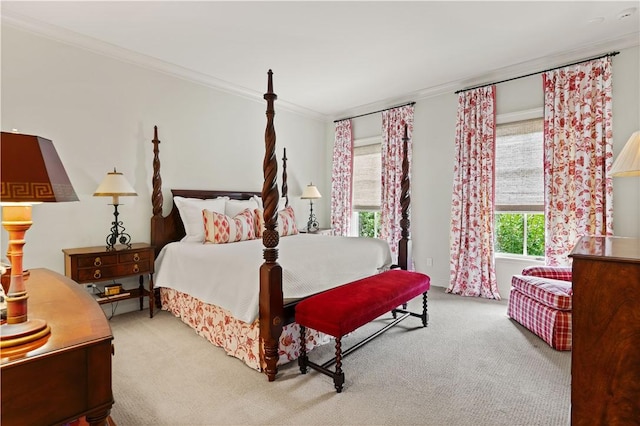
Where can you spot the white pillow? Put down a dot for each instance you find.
(282, 202)
(191, 213)
(234, 207)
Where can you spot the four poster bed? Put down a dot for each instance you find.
(212, 287)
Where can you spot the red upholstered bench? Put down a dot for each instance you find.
(343, 309)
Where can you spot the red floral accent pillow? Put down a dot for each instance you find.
(286, 222)
(221, 229)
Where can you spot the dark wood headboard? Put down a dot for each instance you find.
(166, 229)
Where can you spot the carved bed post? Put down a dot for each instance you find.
(404, 249)
(285, 187)
(156, 195)
(271, 304)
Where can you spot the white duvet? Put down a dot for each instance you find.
(227, 275)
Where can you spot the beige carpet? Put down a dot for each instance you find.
(471, 366)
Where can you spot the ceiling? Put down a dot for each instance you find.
(334, 58)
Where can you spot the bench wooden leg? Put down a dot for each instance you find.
(425, 315)
(303, 359)
(394, 313)
(338, 376)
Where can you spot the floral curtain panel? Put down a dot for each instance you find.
(393, 126)
(341, 179)
(472, 268)
(578, 155)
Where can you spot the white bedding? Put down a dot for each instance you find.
(227, 275)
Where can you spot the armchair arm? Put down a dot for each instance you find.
(552, 272)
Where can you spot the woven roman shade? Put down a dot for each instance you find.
(519, 166)
(367, 177)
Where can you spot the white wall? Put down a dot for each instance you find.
(433, 152)
(626, 120)
(100, 112)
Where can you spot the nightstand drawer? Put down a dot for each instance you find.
(108, 272)
(97, 260)
(134, 256)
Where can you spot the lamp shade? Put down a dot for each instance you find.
(31, 171)
(310, 193)
(628, 162)
(114, 185)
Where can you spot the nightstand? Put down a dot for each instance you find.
(321, 231)
(95, 264)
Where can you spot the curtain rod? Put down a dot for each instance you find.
(537, 72)
(375, 112)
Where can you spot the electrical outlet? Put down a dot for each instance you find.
(92, 288)
(429, 261)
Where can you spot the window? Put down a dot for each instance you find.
(519, 204)
(368, 223)
(367, 187)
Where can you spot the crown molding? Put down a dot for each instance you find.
(554, 60)
(106, 49)
(505, 73)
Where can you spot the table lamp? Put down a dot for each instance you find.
(311, 193)
(31, 173)
(628, 162)
(115, 185)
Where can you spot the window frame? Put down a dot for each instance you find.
(524, 255)
(530, 114)
(355, 222)
(355, 219)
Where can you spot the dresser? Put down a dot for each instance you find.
(66, 375)
(97, 264)
(605, 358)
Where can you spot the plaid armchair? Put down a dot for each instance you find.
(540, 300)
(562, 273)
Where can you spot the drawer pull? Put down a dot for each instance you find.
(97, 274)
(136, 258)
(136, 268)
(97, 261)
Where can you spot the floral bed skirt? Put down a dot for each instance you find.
(238, 338)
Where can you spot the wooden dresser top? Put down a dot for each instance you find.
(614, 249)
(75, 318)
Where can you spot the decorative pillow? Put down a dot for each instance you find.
(235, 207)
(286, 222)
(220, 228)
(190, 210)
